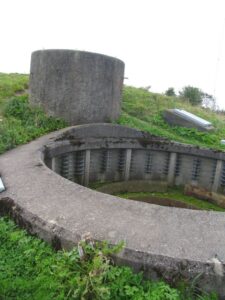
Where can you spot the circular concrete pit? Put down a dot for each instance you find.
(168, 242)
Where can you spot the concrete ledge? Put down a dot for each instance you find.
(170, 242)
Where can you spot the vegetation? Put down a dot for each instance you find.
(29, 268)
(170, 92)
(174, 194)
(192, 94)
(21, 123)
(144, 110)
(209, 101)
(140, 109)
(11, 85)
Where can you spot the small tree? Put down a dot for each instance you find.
(170, 92)
(209, 101)
(192, 94)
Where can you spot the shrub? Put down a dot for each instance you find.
(170, 92)
(192, 94)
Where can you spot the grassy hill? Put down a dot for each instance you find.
(140, 109)
(19, 123)
(143, 110)
(30, 269)
(11, 85)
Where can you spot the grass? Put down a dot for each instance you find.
(19, 123)
(176, 194)
(10, 85)
(29, 268)
(144, 110)
(22, 123)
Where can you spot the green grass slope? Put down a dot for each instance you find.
(143, 110)
(140, 109)
(20, 123)
(11, 85)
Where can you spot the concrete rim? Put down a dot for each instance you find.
(77, 51)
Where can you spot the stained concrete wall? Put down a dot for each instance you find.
(202, 176)
(121, 154)
(80, 87)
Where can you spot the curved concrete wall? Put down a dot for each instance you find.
(108, 153)
(80, 87)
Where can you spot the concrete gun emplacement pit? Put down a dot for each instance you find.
(47, 180)
(168, 242)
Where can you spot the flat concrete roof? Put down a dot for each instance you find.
(165, 241)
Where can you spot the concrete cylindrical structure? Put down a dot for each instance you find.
(81, 87)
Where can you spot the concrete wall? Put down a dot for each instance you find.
(80, 87)
(121, 154)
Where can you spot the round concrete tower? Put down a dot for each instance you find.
(81, 87)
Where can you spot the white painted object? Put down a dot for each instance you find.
(193, 118)
(2, 188)
(222, 142)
